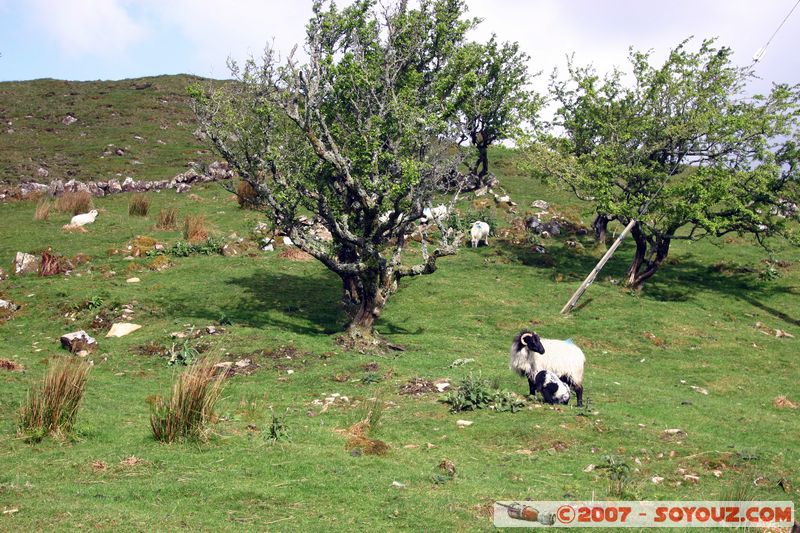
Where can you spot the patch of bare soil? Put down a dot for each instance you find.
(295, 254)
(417, 387)
(11, 365)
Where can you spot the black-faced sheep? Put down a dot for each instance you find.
(531, 354)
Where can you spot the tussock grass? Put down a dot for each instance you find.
(139, 205)
(43, 209)
(52, 406)
(75, 203)
(195, 228)
(246, 195)
(190, 409)
(167, 219)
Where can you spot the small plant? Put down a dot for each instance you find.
(190, 409)
(371, 377)
(183, 354)
(277, 430)
(75, 203)
(476, 393)
(618, 474)
(139, 205)
(194, 228)
(167, 219)
(95, 302)
(43, 209)
(52, 406)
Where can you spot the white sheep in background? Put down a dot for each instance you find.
(531, 354)
(434, 213)
(552, 389)
(479, 232)
(85, 218)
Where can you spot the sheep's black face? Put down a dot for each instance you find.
(533, 342)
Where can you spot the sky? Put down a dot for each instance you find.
(116, 39)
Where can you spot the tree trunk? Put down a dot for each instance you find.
(600, 226)
(641, 270)
(481, 167)
(372, 296)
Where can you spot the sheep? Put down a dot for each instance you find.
(434, 213)
(85, 218)
(531, 354)
(553, 390)
(479, 232)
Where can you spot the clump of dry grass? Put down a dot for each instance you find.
(246, 195)
(194, 228)
(190, 409)
(52, 406)
(167, 219)
(139, 205)
(75, 203)
(43, 209)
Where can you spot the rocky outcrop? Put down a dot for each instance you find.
(216, 171)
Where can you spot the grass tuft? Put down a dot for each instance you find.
(190, 409)
(167, 219)
(75, 203)
(52, 406)
(195, 228)
(139, 205)
(43, 209)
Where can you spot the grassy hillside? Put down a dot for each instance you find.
(148, 118)
(693, 326)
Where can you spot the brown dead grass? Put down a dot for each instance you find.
(11, 365)
(43, 209)
(246, 195)
(69, 228)
(75, 203)
(782, 402)
(195, 228)
(139, 205)
(167, 219)
(295, 254)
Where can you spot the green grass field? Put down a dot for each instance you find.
(692, 326)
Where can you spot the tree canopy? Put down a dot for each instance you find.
(680, 148)
(357, 136)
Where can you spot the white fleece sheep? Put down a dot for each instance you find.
(434, 213)
(85, 218)
(479, 232)
(531, 354)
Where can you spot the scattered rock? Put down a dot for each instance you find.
(398, 485)
(441, 385)
(7, 305)
(464, 423)
(656, 479)
(42, 172)
(121, 329)
(133, 280)
(77, 341)
(591, 467)
(25, 264)
(411, 446)
(417, 386)
(243, 363)
(448, 467)
(540, 204)
(701, 390)
(69, 119)
(766, 330)
(717, 473)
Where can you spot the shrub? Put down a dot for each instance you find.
(190, 409)
(139, 205)
(277, 430)
(52, 406)
(75, 203)
(246, 195)
(43, 209)
(167, 219)
(194, 228)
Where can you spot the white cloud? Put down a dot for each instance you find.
(99, 28)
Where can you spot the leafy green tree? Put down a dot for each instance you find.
(487, 91)
(680, 149)
(356, 137)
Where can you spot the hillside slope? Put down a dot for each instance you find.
(149, 119)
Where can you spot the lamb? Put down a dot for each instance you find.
(531, 354)
(479, 232)
(85, 218)
(553, 390)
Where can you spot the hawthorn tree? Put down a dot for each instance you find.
(486, 88)
(356, 137)
(680, 148)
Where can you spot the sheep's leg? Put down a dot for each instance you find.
(579, 394)
(532, 388)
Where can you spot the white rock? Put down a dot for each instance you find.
(398, 485)
(120, 329)
(133, 280)
(701, 390)
(464, 423)
(77, 340)
(243, 363)
(656, 479)
(540, 204)
(25, 264)
(589, 468)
